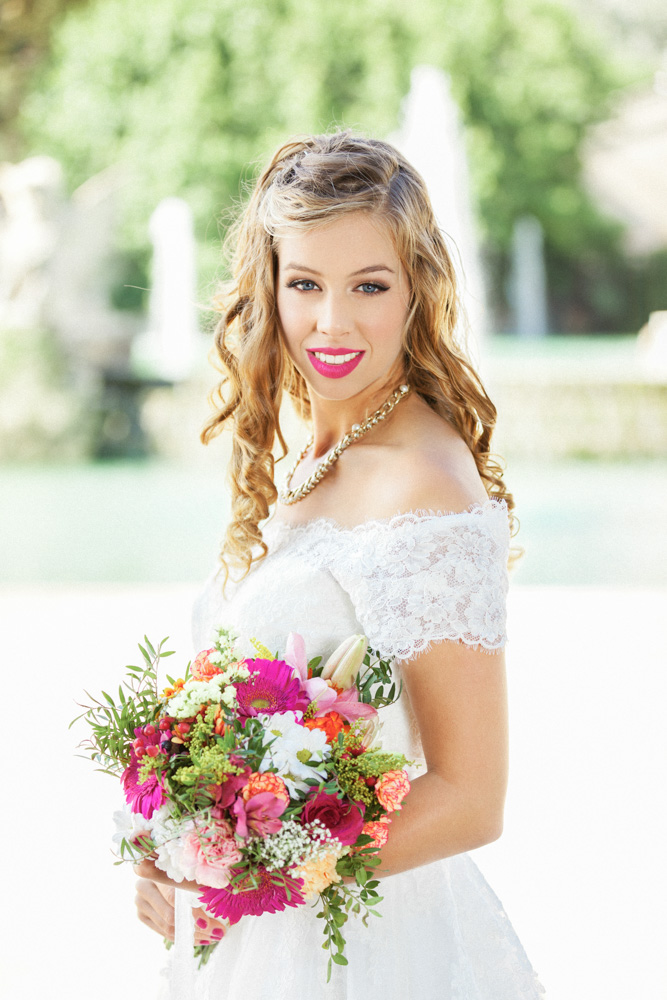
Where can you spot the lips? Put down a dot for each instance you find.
(335, 362)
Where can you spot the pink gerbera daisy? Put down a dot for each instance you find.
(259, 892)
(272, 687)
(146, 797)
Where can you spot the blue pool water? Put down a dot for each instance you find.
(584, 523)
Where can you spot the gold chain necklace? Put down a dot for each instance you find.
(287, 496)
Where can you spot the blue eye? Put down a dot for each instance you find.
(372, 288)
(301, 284)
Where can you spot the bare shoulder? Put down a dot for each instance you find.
(423, 465)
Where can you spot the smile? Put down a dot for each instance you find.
(335, 364)
(335, 359)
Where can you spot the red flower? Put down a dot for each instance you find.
(343, 818)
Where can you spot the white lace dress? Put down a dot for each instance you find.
(405, 583)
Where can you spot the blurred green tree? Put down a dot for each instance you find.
(185, 96)
(25, 36)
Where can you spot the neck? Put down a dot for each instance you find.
(333, 418)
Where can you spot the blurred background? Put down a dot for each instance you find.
(129, 134)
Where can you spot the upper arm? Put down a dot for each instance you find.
(458, 696)
(441, 476)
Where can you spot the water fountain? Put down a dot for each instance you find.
(171, 347)
(431, 137)
(528, 290)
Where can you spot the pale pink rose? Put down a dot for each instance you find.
(210, 851)
(391, 789)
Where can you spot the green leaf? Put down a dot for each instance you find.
(339, 959)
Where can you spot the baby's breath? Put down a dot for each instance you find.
(294, 844)
(225, 651)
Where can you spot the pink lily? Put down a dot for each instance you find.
(295, 655)
(314, 689)
(348, 705)
(259, 815)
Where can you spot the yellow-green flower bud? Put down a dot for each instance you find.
(345, 662)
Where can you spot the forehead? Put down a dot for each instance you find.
(350, 243)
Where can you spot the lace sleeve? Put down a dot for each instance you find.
(423, 578)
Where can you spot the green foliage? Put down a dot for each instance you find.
(186, 98)
(25, 36)
(374, 677)
(112, 721)
(340, 899)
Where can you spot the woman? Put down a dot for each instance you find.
(394, 523)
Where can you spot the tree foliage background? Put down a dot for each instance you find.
(189, 97)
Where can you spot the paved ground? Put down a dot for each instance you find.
(579, 867)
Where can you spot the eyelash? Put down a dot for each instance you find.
(375, 285)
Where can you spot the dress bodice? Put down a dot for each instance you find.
(405, 582)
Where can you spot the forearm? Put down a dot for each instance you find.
(438, 820)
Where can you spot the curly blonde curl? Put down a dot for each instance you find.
(310, 182)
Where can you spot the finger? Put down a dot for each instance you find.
(208, 930)
(154, 895)
(168, 892)
(159, 920)
(152, 904)
(165, 931)
(148, 869)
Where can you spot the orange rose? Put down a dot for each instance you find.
(391, 789)
(202, 669)
(268, 782)
(331, 725)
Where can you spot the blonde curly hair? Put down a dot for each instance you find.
(309, 182)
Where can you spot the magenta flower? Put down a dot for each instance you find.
(146, 797)
(257, 893)
(259, 815)
(272, 687)
(223, 795)
(343, 818)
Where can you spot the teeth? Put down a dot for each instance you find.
(335, 359)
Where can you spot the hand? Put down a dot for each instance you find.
(155, 908)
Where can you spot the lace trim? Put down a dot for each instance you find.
(415, 578)
(395, 521)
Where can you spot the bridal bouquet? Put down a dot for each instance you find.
(260, 779)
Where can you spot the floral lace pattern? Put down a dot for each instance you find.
(416, 578)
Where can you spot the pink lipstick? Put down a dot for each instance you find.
(334, 369)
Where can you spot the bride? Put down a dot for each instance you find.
(394, 522)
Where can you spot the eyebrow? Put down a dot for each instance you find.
(363, 270)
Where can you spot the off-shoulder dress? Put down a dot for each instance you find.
(406, 583)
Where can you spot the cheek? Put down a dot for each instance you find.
(291, 315)
(388, 326)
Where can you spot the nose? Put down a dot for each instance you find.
(334, 316)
